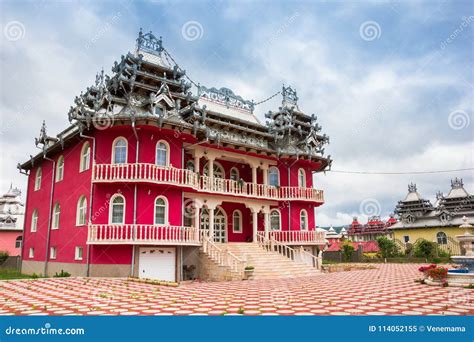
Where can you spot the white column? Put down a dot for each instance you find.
(197, 218)
(266, 220)
(211, 167)
(255, 224)
(265, 175)
(211, 223)
(254, 179)
(196, 162)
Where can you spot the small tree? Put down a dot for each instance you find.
(424, 249)
(3, 256)
(347, 250)
(388, 248)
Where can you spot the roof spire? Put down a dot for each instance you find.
(457, 183)
(412, 187)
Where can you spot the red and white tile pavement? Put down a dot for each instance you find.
(388, 290)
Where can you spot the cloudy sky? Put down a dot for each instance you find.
(391, 81)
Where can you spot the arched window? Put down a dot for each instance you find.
(162, 156)
(81, 211)
(117, 210)
(218, 170)
(161, 210)
(190, 165)
(34, 221)
(442, 238)
(275, 223)
(56, 215)
(85, 157)
(237, 221)
(301, 178)
(273, 176)
(18, 241)
(234, 174)
(303, 220)
(38, 179)
(119, 153)
(60, 169)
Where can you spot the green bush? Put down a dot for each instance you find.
(388, 248)
(62, 274)
(3, 256)
(425, 249)
(347, 251)
(443, 254)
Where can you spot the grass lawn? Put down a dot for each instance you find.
(6, 274)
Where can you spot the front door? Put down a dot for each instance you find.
(220, 224)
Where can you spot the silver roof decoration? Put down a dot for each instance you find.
(149, 43)
(225, 96)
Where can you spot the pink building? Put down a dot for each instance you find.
(11, 222)
(152, 180)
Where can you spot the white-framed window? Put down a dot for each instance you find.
(56, 216)
(119, 151)
(78, 253)
(301, 178)
(162, 153)
(237, 221)
(275, 221)
(52, 253)
(442, 238)
(60, 169)
(31, 252)
(85, 157)
(218, 170)
(34, 221)
(81, 211)
(38, 178)
(161, 210)
(234, 174)
(117, 209)
(273, 176)
(303, 220)
(18, 242)
(190, 165)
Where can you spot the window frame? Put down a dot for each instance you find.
(303, 211)
(82, 198)
(34, 219)
(239, 213)
(167, 145)
(19, 242)
(56, 216)
(217, 165)
(279, 219)
(114, 146)
(166, 206)
(52, 255)
(59, 169)
(277, 175)
(301, 182)
(31, 253)
(111, 210)
(236, 170)
(85, 165)
(76, 254)
(444, 238)
(38, 178)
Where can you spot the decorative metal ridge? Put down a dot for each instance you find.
(412, 187)
(149, 43)
(290, 98)
(457, 183)
(226, 97)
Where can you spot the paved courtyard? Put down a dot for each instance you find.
(387, 290)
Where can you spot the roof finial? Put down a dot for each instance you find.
(412, 187)
(457, 183)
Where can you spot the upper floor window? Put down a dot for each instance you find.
(56, 215)
(117, 209)
(303, 220)
(119, 153)
(237, 221)
(301, 178)
(275, 222)
(161, 211)
(34, 221)
(38, 179)
(81, 211)
(190, 165)
(218, 170)
(234, 174)
(60, 169)
(442, 238)
(273, 176)
(162, 156)
(85, 157)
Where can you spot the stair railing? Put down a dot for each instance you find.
(297, 255)
(222, 257)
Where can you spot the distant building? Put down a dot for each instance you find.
(333, 236)
(11, 222)
(370, 231)
(439, 222)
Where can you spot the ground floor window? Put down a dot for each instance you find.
(78, 253)
(18, 242)
(406, 239)
(275, 220)
(442, 238)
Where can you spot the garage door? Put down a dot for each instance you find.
(157, 263)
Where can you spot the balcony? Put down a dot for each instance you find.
(298, 237)
(142, 234)
(151, 173)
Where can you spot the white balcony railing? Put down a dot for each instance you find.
(298, 237)
(142, 234)
(151, 173)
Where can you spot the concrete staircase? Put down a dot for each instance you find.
(268, 265)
